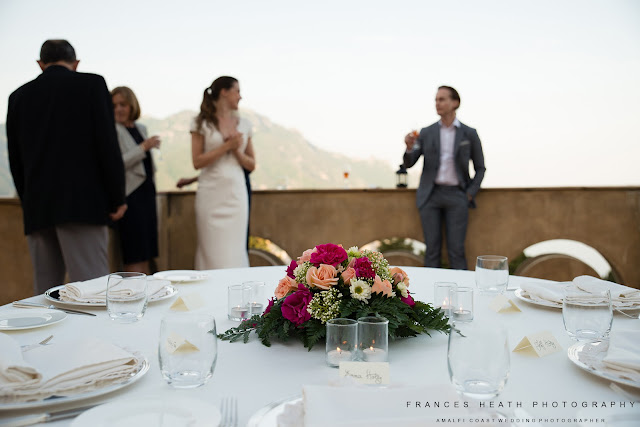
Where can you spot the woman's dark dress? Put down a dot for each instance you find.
(139, 225)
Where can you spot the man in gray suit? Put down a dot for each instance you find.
(446, 191)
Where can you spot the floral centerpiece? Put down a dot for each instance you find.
(328, 282)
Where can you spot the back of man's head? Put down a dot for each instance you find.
(57, 51)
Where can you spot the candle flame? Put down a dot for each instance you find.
(338, 350)
(371, 348)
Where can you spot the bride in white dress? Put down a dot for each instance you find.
(221, 147)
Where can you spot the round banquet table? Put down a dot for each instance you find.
(259, 375)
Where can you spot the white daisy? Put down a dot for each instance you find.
(360, 290)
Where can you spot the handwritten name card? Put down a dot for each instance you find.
(366, 372)
(176, 344)
(542, 343)
(502, 304)
(187, 303)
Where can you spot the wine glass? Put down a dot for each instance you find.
(478, 359)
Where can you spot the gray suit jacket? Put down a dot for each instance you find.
(467, 147)
(132, 156)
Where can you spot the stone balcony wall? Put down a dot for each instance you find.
(506, 222)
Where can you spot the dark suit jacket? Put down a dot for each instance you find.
(63, 150)
(467, 147)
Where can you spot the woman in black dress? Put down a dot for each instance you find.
(138, 228)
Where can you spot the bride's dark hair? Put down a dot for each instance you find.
(211, 95)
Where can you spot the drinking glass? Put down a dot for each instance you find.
(587, 316)
(478, 359)
(492, 273)
(188, 349)
(126, 296)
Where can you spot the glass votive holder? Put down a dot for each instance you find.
(442, 296)
(257, 297)
(373, 339)
(341, 341)
(462, 304)
(238, 302)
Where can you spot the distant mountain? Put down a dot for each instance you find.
(285, 159)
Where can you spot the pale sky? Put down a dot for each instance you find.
(551, 86)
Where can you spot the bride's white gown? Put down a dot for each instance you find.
(222, 205)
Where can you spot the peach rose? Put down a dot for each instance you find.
(306, 255)
(285, 285)
(382, 287)
(399, 275)
(322, 277)
(348, 274)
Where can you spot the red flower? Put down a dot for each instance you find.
(292, 267)
(408, 300)
(328, 254)
(268, 309)
(294, 307)
(363, 267)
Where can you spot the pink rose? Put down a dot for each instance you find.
(285, 285)
(294, 307)
(322, 277)
(328, 254)
(306, 255)
(382, 287)
(347, 275)
(399, 275)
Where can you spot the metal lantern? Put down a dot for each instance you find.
(401, 177)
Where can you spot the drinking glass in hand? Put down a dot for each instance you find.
(126, 296)
(478, 359)
(188, 349)
(492, 273)
(587, 316)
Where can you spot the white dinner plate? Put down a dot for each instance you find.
(181, 275)
(596, 351)
(524, 296)
(53, 295)
(15, 321)
(268, 416)
(57, 400)
(178, 411)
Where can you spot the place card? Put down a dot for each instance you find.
(175, 344)
(366, 372)
(542, 343)
(187, 303)
(502, 304)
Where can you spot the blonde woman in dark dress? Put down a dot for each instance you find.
(138, 229)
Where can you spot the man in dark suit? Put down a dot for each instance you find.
(446, 191)
(66, 166)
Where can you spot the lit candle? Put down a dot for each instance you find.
(374, 354)
(238, 312)
(334, 357)
(462, 314)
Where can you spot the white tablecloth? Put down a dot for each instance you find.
(258, 375)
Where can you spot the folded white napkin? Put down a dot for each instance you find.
(13, 369)
(624, 353)
(94, 291)
(621, 296)
(544, 291)
(62, 368)
(379, 407)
